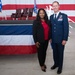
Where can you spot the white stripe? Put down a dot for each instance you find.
(69, 12)
(16, 40)
(37, 1)
(71, 20)
(9, 12)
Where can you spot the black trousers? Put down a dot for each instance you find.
(42, 52)
(58, 54)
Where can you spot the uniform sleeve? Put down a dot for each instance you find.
(35, 31)
(66, 27)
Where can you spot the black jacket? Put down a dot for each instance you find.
(38, 31)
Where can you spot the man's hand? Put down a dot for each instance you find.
(50, 40)
(37, 44)
(63, 42)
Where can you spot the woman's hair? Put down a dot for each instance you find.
(38, 18)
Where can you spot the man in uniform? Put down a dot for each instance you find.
(60, 31)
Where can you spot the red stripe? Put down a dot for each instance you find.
(13, 50)
(72, 18)
(15, 6)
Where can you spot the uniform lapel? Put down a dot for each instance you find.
(58, 15)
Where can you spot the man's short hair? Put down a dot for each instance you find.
(55, 2)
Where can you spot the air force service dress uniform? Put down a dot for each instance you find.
(60, 31)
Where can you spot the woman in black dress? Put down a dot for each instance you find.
(41, 35)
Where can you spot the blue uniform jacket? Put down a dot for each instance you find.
(59, 28)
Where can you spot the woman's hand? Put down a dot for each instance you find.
(37, 44)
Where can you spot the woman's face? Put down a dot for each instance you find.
(42, 14)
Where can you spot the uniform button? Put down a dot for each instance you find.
(54, 31)
(54, 24)
(54, 27)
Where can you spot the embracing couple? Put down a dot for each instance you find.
(55, 31)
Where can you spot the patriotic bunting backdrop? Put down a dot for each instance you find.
(10, 6)
(18, 39)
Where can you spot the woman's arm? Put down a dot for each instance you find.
(35, 31)
(35, 34)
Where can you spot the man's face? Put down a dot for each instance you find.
(55, 7)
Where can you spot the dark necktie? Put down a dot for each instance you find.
(55, 16)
